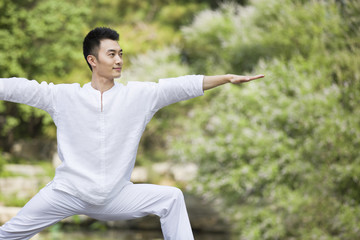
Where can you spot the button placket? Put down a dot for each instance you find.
(102, 145)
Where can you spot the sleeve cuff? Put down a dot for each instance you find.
(200, 86)
(2, 89)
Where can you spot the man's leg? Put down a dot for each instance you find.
(44, 209)
(138, 200)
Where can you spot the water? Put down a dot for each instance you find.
(120, 235)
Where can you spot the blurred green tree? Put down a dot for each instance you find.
(39, 39)
(280, 154)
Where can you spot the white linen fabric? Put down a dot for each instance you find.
(98, 137)
(98, 134)
(135, 200)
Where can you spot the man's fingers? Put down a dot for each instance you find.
(250, 78)
(241, 79)
(257, 76)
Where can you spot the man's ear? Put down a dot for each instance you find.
(91, 60)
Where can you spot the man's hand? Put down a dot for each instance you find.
(214, 81)
(237, 79)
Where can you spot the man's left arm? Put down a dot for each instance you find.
(214, 81)
(173, 90)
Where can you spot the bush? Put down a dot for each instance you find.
(2, 162)
(35, 43)
(280, 154)
(234, 38)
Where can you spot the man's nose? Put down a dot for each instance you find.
(118, 59)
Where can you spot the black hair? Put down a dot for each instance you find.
(92, 40)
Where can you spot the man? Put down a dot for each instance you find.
(99, 127)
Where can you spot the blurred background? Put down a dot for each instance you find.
(277, 158)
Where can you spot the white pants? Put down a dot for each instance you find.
(135, 200)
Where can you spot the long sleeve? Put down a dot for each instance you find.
(32, 93)
(172, 90)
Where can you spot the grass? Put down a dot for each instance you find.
(49, 170)
(12, 200)
(8, 174)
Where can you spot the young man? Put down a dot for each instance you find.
(99, 127)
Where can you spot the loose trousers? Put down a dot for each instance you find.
(135, 200)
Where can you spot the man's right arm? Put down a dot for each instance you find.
(32, 93)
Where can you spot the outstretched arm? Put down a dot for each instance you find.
(173, 90)
(214, 81)
(32, 93)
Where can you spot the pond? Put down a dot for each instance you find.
(120, 235)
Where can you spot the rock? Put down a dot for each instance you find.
(56, 160)
(203, 216)
(21, 187)
(168, 172)
(180, 172)
(27, 170)
(40, 149)
(184, 172)
(6, 213)
(161, 168)
(140, 174)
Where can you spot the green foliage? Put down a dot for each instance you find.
(134, 11)
(160, 63)
(234, 38)
(139, 38)
(13, 200)
(280, 153)
(39, 39)
(35, 40)
(48, 169)
(2, 163)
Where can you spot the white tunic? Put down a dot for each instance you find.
(98, 138)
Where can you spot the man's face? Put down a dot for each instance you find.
(109, 61)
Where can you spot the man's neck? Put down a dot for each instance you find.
(101, 84)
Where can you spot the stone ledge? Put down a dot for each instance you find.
(6, 213)
(202, 216)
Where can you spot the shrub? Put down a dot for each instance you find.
(279, 154)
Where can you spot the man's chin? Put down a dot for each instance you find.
(117, 75)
